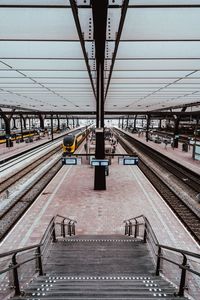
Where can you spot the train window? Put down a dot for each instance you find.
(68, 140)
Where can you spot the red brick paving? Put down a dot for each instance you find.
(71, 194)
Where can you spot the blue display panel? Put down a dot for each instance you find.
(71, 161)
(128, 160)
(100, 162)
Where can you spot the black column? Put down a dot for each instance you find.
(6, 122)
(67, 121)
(73, 123)
(134, 124)
(123, 123)
(41, 121)
(147, 131)
(14, 123)
(24, 121)
(127, 121)
(52, 127)
(99, 11)
(58, 120)
(21, 126)
(160, 124)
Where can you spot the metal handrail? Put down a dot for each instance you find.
(66, 218)
(38, 255)
(129, 223)
(19, 250)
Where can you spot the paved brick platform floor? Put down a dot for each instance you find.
(184, 158)
(71, 193)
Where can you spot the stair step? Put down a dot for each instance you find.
(99, 267)
(97, 298)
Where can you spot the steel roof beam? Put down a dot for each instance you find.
(78, 27)
(121, 24)
(112, 113)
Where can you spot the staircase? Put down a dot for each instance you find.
(99, 267)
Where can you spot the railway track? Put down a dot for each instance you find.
(188, 177)
(14, 210)
(190, 220)
(5, 184)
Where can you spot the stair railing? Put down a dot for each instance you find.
(11, 262)
(69, 223)
(140, 228)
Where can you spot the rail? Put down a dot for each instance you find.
(140, 228)
(56, 229)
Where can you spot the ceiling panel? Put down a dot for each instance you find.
(34, 2)
(142, 24)
(49, 64)
(42, 24)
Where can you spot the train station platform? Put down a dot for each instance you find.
(176, 154)
(6, 152)
(71, 193)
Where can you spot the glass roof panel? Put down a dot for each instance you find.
(64, 81)
(86, 22)
(162, 2)
(50, 64)
(142, 24)
(150, 81)
(34, 2)
(15, 80)
(54, 74)
(42, 24)
(18, 85)
(159, 50)
(158, 65)
(149, 74)
(3, 66)
(10, 73)
(40, 50)
(196, 74)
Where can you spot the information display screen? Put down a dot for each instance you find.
(197, 152)
(70, 161)
(128, 161)
(100, 162)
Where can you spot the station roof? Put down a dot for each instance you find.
(152, 56)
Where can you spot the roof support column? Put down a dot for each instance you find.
(21, 126)
(52, 127)
(67, 121)
(7, 120)
(147, 131)
(127, 121)
(119, 123)
(134, 123)
(14, 123)
(99, 11)
(41, 118)
(58, 122)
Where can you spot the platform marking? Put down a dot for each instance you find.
(41, 212)
(28, 234)
(166, 205)
(168, 231)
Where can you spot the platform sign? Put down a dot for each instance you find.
(71, 161)
(196, 151)
(128, 160)
(131, 161)
(99, 162)
(120, 160)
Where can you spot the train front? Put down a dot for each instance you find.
(68, 144)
